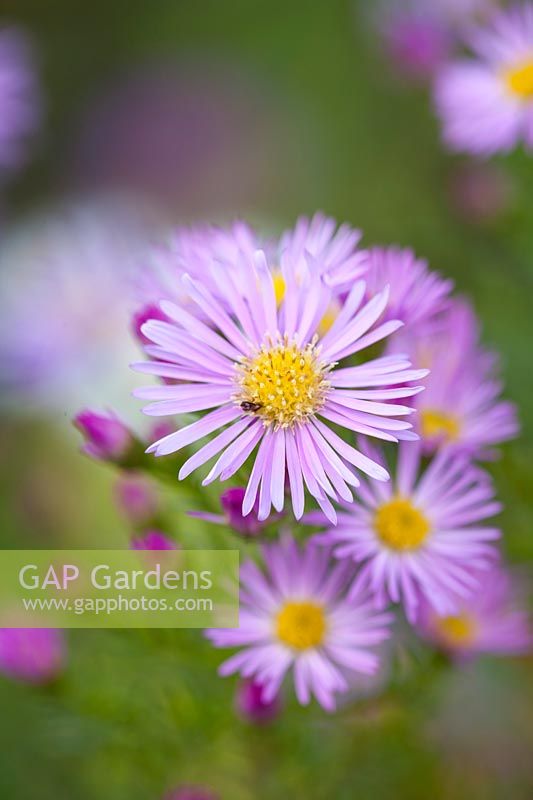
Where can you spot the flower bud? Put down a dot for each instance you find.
(191, 793)
(153, 540)
(251, 706)
(34, 655)
(141, 316)
(231, 502)
(136, 497)
(106, 437)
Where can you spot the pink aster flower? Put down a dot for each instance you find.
(461, 405)
(295, 615)
(486, 103)
(35, 655)
(490, 621)
(420, 536)
(417, 295)
(267, 373)
(19, 102)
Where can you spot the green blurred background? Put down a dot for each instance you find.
(295, 110)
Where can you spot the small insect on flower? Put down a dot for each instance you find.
(247, 406)
(267, 374)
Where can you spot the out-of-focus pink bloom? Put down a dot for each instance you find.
(417, 44)
(481, 192)
(460, 406)
(136, 497)
(193, 135)
(67, 293)
(417, 295)
(420, 35)
(35, 655)
(251, 705)
(231, 501)
(490, 621)
(485, 103)
(153, 540)
(20, 107)
(106, 437)
(190, 792)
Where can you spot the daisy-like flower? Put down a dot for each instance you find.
(19, 102)
(267, 373)
(421, 536)
(296, 615)
(490, 621)
(460, 407)
(416, 294)
(486, 104)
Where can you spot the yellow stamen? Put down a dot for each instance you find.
(329, 317)
(280, 287)
(438, 423)
(283, 383)
(456, 629)
(301, 625)
(520, 80)
(400, 525)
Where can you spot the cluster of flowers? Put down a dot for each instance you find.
(293, 356)
(480, 60)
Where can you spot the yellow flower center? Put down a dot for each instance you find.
(400, 525)
(329, 317)
(520, 80)
(279, 287)
(283, 383)
(438, 423)
(301, 625)
(456, 629)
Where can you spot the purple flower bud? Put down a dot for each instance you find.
(417, 46)
(481, 193)
(153, 540)
(231, 502)
(191, 793)
(107, 438)
(136, 497)
(141, 316)
(35, 655)
(252, 707)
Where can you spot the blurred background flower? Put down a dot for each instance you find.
(67, 281)
(20, 102)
